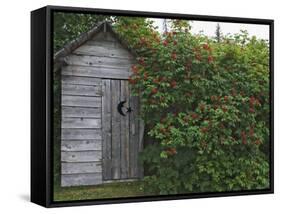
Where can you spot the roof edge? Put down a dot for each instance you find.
(74, 44)
(84, 37)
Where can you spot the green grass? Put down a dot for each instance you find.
(111, 190)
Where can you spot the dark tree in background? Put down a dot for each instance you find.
(218, 33)
(67, 26)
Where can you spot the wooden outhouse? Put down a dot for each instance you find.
(101, 132)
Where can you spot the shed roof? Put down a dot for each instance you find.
(84, 37)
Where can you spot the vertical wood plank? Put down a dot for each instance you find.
(134, 137)
(125, 132)
(141, 133)
(116, 129)
(106, 129)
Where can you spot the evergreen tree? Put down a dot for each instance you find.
(218, 33)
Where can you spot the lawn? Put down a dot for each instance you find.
(111, 190)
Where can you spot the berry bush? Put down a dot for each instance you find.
(205, 105)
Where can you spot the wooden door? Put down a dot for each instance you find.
(121, 135)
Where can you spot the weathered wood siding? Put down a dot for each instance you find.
(97, 143)
(81, 150)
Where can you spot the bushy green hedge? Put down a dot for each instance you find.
(206, 105)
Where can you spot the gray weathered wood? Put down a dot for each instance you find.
(106, 129)
(120, 181)
(141, 140)
(81, 101)
(97, 71)
(134, 137)
(67, 111)
(80, 134)
(97, 143)
(88, 167)
(81, 156)
(80, 145)
(104, 37)
(81, 122)
(81, 179)
(102, 51)
(124, 131)
(107, 44)
(85, 60)
(84, 90)
(80, 80)
(115, 93)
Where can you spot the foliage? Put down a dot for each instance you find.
(206, 105)
(67, 26)
(139, 33)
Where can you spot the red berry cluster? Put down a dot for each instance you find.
(171, 151)
(225, 98)
(207, 48)
(218, 100)
(194, 116)
(224, 109)
(253, 102)
(198, 56)
(173, 84)
(156, 80)
(202, 107)
(174, 55)
(154, 90)
(204, 129)
(142, 41)
(141, 61)
(135, 69)
(210, 59)
(213, 98)
(145, 76)
(244, 137)
(132, 80)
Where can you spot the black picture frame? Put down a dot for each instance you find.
(42, 102)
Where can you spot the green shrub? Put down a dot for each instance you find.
(207, 108)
